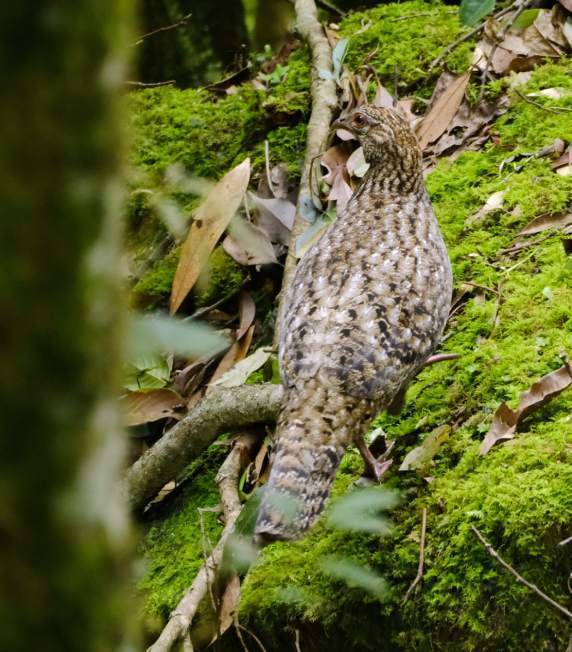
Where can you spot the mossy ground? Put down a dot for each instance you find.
(518, 495)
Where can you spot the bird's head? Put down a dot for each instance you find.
(386, 137)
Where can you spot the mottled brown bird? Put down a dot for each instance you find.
(366, 308)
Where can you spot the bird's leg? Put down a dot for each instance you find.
(374, 467)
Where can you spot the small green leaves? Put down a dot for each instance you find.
(359, 510)
(148, 336)
(356, 576)
(471, 11)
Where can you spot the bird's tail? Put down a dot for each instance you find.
(311, 439)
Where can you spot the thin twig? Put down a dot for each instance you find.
(519, 578)
(140, 84)
(549, 109)
(258, 641)
(565, 542)
(419, 575)
(184, 20)
(297, 640)
(267, 161)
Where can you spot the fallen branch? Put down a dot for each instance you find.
(177, 628)
(495, 555)
(324, 101)
(419, 575)
(221, 411)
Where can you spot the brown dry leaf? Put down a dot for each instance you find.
(382, 97)
(356, 164)
(248, 244)
(228, 605)
(506, 420)
(276, 217)
(237, 352)
(437, 120)
(246, 312)
(209, 223)
(335, 161)
(259, 461)
(143, 407)
(564, 160)
(547, 221)
(243, 369)
(493, 203)
(567, 4)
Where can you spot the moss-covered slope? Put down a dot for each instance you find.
(512, 328)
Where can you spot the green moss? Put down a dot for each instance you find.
(192, 128)
(508, 335)
(159, 279)
(174, 544)
(402, 36)
(224, 278)
(518, 495)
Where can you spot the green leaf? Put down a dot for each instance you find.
(338, 56)
(148, 336)
(356, 575)
(359, 510)
(471, 11)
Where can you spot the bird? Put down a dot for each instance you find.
(366, 308)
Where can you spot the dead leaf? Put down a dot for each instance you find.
(442, 112)
(143, 407)
(260, 460)
(242, 370)
(506, 420)
(335, 162)
(228, 605)
(209, 223)
(420, 458)
(236, 353)
(276, 217)
(383, 98)
(356, 164)
(547, 221)
(469, 121)
(493, 203)
(567, 4)
(246, 312)
(248, 244)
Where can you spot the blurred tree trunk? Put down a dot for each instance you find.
(63, 531)
(274, 20)
(212, 40)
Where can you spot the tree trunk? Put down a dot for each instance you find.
(63, 550)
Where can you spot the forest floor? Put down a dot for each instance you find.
(499, 175)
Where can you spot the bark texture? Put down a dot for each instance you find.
(222, 410)
(64, 531)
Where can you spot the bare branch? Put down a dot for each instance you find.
(184, 20)
(177, 628)
(519, 578)
(221, 411)
(324, 101)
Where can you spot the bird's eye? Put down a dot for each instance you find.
(359, 120)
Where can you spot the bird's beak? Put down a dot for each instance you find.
(340, 123)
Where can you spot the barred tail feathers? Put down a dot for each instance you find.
(311, 439)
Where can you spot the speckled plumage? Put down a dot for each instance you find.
(366, 307)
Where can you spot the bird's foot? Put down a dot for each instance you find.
(374, 467)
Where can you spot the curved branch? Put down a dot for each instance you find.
(324, 101)
(227, 479)
(220, 411)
